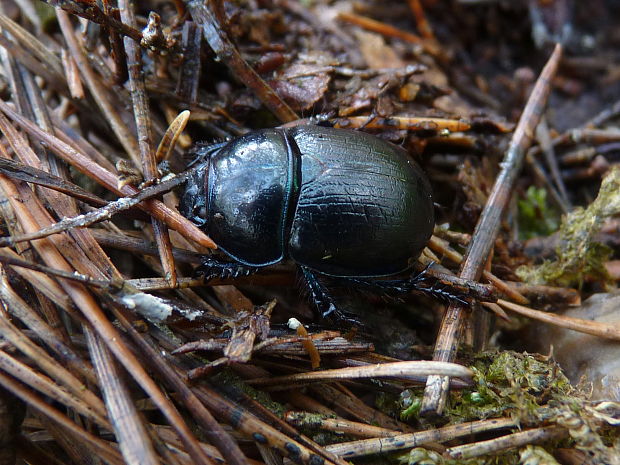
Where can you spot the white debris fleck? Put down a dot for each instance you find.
(294, 323)
(191, 315)
(150, 307)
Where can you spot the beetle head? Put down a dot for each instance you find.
(193, 204)
(193, 199)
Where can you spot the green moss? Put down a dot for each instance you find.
(529, 388)
(578, 255)
(390, 403)
(505, 383)
(421, 456)
(536, 217)
(509, 383)
(234, 383)
(536, 455)
(413, 404)
(46, 14)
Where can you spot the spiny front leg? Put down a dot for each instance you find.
(214, 268)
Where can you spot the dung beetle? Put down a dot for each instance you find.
(337, 202)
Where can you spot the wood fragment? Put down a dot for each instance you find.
(492, 446)
(429, 45)
(188, 80)
(420, 17)
(595, 328)
(407, 441)
(145, 137)
(129, 428)
(338, 425)
(396, 369)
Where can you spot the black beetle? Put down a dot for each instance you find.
(337, 202)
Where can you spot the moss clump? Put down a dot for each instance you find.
(536, 217)
(421, 456)
(533, 390)
(509, 383)
(411, 401)
(536, 455)
(311, 425)
(235, 385)
(578, 255)
(505, 383)
(392, 404)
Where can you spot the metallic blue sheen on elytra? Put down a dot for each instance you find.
(251, 186)
(339, 202)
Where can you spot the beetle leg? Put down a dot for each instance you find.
(320, 296)
(418, 282)
(441, 292)
(213, 268)
(323, 301)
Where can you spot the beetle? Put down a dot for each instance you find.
(337, 202)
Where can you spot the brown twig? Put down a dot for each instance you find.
(595, 328)
(396, 369)
(50, 335)
(145, 136)
(89, 10)
(105, 450)
(555, 296)
(27, 173)
(408, 441)
(87, 400)
(409, 123)
(420, 18)
(299, 448)
(109, 180)
(436, 391)
(443, 249)
(48, 60)
(493, 446)
(101, 214)
(129, 429)
(32, 215)
(229, 449)
(429, 45)
(41, 282)
(100, 93)
(140, 246)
